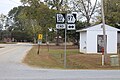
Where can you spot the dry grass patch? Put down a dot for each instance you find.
(43, 60)
(55, 56)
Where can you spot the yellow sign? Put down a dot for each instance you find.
(40, 36)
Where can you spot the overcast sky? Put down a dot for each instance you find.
(7, 5)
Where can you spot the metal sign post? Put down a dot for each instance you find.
(38, 49)
(60, 24)
(70, 20)
(67, 22)
(39, 42)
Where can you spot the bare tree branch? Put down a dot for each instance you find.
(79, 10)
(93, 9)
(84, 7)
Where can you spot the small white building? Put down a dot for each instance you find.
(91, 39)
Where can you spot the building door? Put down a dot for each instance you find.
(100, 43)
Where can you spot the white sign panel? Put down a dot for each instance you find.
(60, 18)
(60, 26)
(70, 26)
(39, 42)
(71, 18)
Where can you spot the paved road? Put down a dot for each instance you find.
(11, 68)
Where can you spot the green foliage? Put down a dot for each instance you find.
(2, 21)
(32, 18)
(55, 4)
(112, 12)
(80, 25)
(35, 17)
(21, 36)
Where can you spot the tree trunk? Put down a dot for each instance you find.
(88, 22)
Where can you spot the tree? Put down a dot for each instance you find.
(2, 21)
(40, 12)
(33, 17)
(55, 4)
(86, 8)
(112, 12)
(2, 24)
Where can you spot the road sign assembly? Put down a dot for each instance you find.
(67, 22)
(60, 21)
(40, 36)
(70, 19)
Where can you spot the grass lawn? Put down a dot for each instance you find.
(8, 42)
(54, 57)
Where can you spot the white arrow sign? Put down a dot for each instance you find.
(71, 18)
(60, 18)
(70, 26)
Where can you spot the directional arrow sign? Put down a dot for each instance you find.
(70, 26)
(60, 18)
(71, 18)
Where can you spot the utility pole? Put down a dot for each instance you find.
(104, 34)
